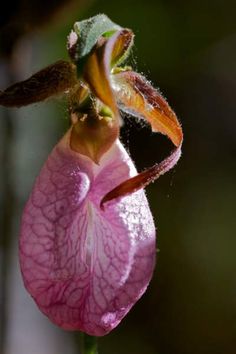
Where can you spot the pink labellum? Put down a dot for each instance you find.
(86, 267)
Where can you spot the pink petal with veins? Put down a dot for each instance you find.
(85, 267)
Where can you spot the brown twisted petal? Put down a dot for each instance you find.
(135, 95)
(135, 183)
(53, 80)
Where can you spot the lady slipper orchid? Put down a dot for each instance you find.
(87, 241)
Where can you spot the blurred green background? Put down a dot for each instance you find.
(188, 50)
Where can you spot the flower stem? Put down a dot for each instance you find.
(88, 344)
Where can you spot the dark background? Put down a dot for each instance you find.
(188, 50)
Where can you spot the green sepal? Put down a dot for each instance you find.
(90, 30)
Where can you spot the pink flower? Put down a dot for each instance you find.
(87, 243)
(86, 267)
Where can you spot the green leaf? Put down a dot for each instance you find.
(90, 30)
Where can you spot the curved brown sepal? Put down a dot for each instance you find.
(135, 183)
(136, 96)
(50, 81)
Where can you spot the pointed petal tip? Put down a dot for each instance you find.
(143, 179)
